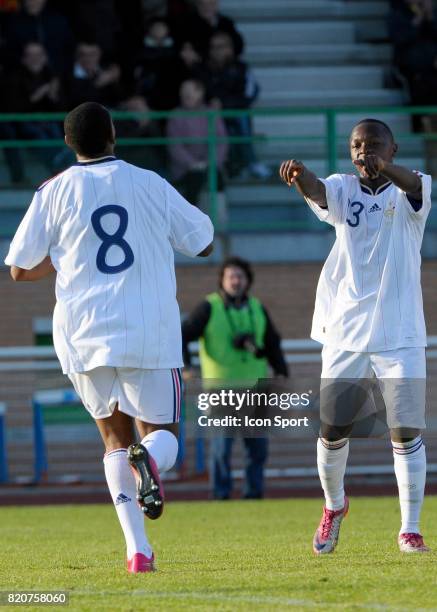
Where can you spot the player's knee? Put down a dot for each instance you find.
(404, 435)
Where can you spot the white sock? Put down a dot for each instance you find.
(331, 463)
(122, 486)
(410, 470)
(163, 446)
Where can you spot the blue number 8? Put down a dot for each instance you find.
(115, 239)
(356, 214)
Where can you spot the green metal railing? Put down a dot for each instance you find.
(330, 137)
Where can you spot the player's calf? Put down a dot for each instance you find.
(150, 492)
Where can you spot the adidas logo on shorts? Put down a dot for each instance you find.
(374, 208)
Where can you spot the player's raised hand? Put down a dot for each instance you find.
(370, 166)
(290, 170)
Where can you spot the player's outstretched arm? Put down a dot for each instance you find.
(407, 180)
(209, 249)
(307, 183)
(43, 269)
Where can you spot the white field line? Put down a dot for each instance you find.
(243, 598)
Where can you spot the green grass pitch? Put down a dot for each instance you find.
(253, 555)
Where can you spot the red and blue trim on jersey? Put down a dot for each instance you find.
(49, 180)
(108, 158)
(177, 393)
(416, 205)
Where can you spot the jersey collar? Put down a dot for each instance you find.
(98, 160)
(380, 189)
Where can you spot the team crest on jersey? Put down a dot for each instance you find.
(390, 210)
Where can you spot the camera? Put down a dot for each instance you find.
(246, 342)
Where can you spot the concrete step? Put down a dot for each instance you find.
(287, 246)
(332, 99)
(257, 10)
(275, 151)
(371, 30)
(320, 79)
(15, 198)
(318, 54)
(316, 125)
(294, 34)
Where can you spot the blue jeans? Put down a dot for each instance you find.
(256, 456)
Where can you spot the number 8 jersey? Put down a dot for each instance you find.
(369, 295)
(110, 229)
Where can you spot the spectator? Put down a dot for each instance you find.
(199, 26)
(8, 132)
(413, 30)
(37, 22)
(155, 8)
(91, 81)
(159, 71)
(230, 84)
(151, 157)
(189, 161)
(97, 20)
(238, 341)
(33, 88)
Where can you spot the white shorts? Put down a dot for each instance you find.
(153, 396)
(401, 375)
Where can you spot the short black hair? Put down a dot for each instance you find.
(378, 122)
(236, 262)
(89, 129)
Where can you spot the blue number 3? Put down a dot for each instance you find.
(109, 240)
(356, 214)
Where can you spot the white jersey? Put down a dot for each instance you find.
(369, 295)
(110, 229)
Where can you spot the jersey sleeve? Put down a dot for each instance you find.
(335, 188)
(191, 231)
(420, 209)
(33, 237)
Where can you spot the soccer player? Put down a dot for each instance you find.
(369, 314)
(108, 229)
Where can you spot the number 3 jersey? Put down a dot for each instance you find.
(110, 229)
(369, 294)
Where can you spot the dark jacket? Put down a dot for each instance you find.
(23, 83)
(198, 32)
(49, 28)
(83, 89)
(234, 84)
(415, 46)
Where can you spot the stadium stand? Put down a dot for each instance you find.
(339, 59)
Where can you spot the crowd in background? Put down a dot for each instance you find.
(134, 56)
(160, 55)
(412, 26)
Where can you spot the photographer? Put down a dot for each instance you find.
(238, 342)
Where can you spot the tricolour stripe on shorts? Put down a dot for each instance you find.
(176, 395)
